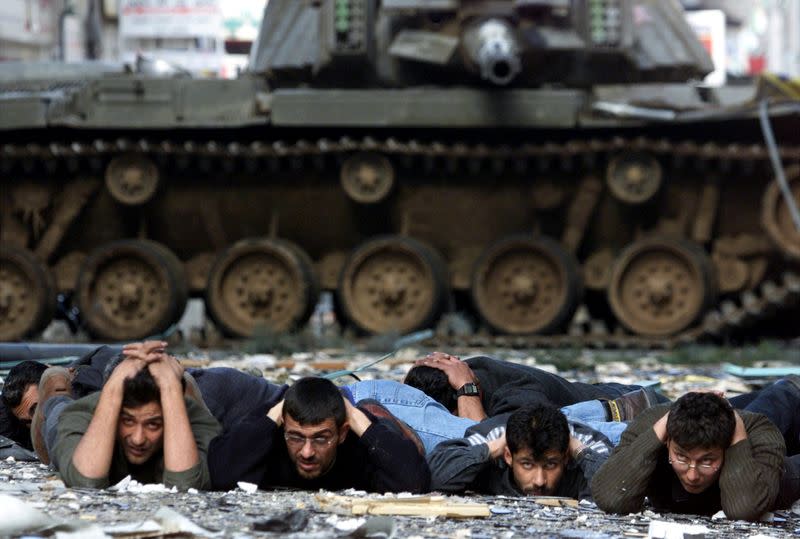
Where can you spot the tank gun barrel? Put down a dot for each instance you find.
(492, 47)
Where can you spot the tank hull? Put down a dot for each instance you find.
(459, 191)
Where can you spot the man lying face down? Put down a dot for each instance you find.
(19, 401)
(532, 451)
(140, 424)
(697, 456)
(480, 387)
(315, 438)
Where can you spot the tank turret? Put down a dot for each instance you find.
(522, 43)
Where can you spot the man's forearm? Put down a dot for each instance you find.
(180, 448)
(93, 454)
(471, 408)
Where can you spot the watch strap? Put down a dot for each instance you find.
(470, 389)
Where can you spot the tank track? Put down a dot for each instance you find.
(731, 314)
(586, 150)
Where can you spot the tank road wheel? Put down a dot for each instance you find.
(131, 289)
(27, 294)
(132, 179)
(523, 285)
(261, 283)
(367, 177)
(634, 177)
(776, 218)
(392, 284)
(660, 286)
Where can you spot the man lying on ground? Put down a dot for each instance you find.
(315, 438)
(434, 424)
(140, 424)
(230, 395)
(19, 400)
(696, 456)
(532, 451)
(780, 403)
(481, 387)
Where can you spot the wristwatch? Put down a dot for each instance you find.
(470, 389)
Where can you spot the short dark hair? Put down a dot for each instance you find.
(539, 428)
(19, 378)
(140, 390)
(701, 420)
(312, 400)
(434, 383)
(114, 362)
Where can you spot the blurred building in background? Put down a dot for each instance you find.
(213, 37)
(757, 35)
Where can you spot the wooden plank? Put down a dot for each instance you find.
(424, 506)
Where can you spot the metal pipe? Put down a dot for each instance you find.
(492, 46)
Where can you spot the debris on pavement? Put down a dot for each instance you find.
(421, 506)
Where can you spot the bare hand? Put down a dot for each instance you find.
(166, 371)
(497, 447)
(146, 351)
(127, 368)
(660, 428)
(575, 446)
(356, 419)
(276, 413)
(458, 372)
(740, 432)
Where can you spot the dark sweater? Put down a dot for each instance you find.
(748, 482)
(254, 450)
(13, 428)
(506, 386)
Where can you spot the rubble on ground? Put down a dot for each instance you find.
(35, 503)
(28, 489)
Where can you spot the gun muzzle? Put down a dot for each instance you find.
(492, 46)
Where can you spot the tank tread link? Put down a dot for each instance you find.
(662, 287)
(730, 316)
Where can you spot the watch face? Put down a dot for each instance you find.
(469, 390)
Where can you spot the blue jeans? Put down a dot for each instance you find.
(435, 424)
(431, 421)
(593, 414)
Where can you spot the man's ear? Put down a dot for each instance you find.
(343, 430)
(507, 456)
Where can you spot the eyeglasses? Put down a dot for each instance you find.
(318, 442)
(685, 466)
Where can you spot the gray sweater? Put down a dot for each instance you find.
(73, 423)
(464, 463)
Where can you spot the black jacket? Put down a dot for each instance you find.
(13, 428)
(254, 450)
(506, 386)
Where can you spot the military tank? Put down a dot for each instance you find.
(513, 158)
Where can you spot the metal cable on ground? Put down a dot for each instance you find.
(780, 176)
(402, 342)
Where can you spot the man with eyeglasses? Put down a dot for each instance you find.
(312, 439)
(697, 456)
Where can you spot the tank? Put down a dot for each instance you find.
(513, 160)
